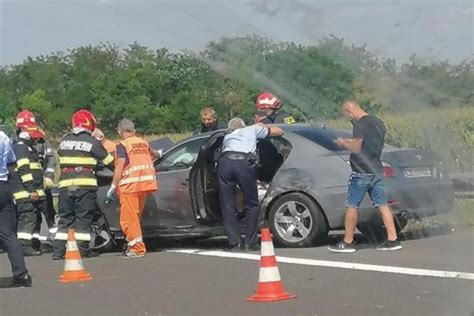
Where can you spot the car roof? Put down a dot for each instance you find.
(286, 128)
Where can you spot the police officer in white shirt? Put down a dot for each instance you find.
(236, 167)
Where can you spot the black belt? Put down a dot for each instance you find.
(235, 155)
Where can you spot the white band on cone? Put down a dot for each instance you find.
(72, 246)
(73, 265)
(270, 274)
(267, 249)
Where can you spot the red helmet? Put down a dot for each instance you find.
(84, 119)
(267, 100)
(25, 119)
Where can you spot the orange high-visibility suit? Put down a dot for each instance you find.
(110, 146)
(138, 179)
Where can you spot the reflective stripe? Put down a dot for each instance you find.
(267, 249)
(26, 195)
(24, 236)
(39, 237)
(21, 195)
(78, 182)
(35, 166)
(60, 236)
(136, 168)
(53, 230)
(73, 265)
(137, 179)
(270, 274)
(22, 162)
(135, 241)
(82, 236)
(107, 160)
(50, 170)
(78, 161)
(26, 177)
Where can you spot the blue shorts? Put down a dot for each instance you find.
(362, 183)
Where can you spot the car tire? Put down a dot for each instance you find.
(297, 221)
(101, 238)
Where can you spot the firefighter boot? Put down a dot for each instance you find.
(59, 249)
(85, 251)
(28, 250)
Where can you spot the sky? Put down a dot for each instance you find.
(431, 29)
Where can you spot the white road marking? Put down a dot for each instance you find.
(334, 264)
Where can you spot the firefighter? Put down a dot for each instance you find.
(28, 193)
(268, 110)
(79, 157)
(26, 122)
(134, 178)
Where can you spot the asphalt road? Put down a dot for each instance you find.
(194, 278)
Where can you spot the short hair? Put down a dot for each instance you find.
(126, 125)
(236, 123)
(209, 110)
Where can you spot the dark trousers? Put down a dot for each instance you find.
(229, 174)
(76, 210)
(29, 218)
(8, 231)
(48, 210)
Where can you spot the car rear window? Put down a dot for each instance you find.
(323, 136)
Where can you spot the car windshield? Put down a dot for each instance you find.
(323, 136)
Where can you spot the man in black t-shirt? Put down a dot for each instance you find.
(366, 177)
(209, 122)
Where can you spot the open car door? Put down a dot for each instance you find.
(203, 180)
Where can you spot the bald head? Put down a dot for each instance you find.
(352, 111)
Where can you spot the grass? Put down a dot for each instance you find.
(449, 132)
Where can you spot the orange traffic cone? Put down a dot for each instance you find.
(269, 287)
(73, 268)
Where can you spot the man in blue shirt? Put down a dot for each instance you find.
(235, 167)
(8, 225)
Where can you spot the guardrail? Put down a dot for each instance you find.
(463, 184)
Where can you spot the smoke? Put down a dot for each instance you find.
(399, 92)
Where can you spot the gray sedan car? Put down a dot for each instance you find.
(302, 181)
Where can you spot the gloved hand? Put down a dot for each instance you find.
(110, 196)
(47, 182)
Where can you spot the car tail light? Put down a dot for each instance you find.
(393, 202)
(388, 171)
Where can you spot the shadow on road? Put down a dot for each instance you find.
(415, 232)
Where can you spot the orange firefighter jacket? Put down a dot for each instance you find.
(139, 173)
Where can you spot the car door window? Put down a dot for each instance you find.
(181, 157)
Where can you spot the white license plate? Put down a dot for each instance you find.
(417, 172)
